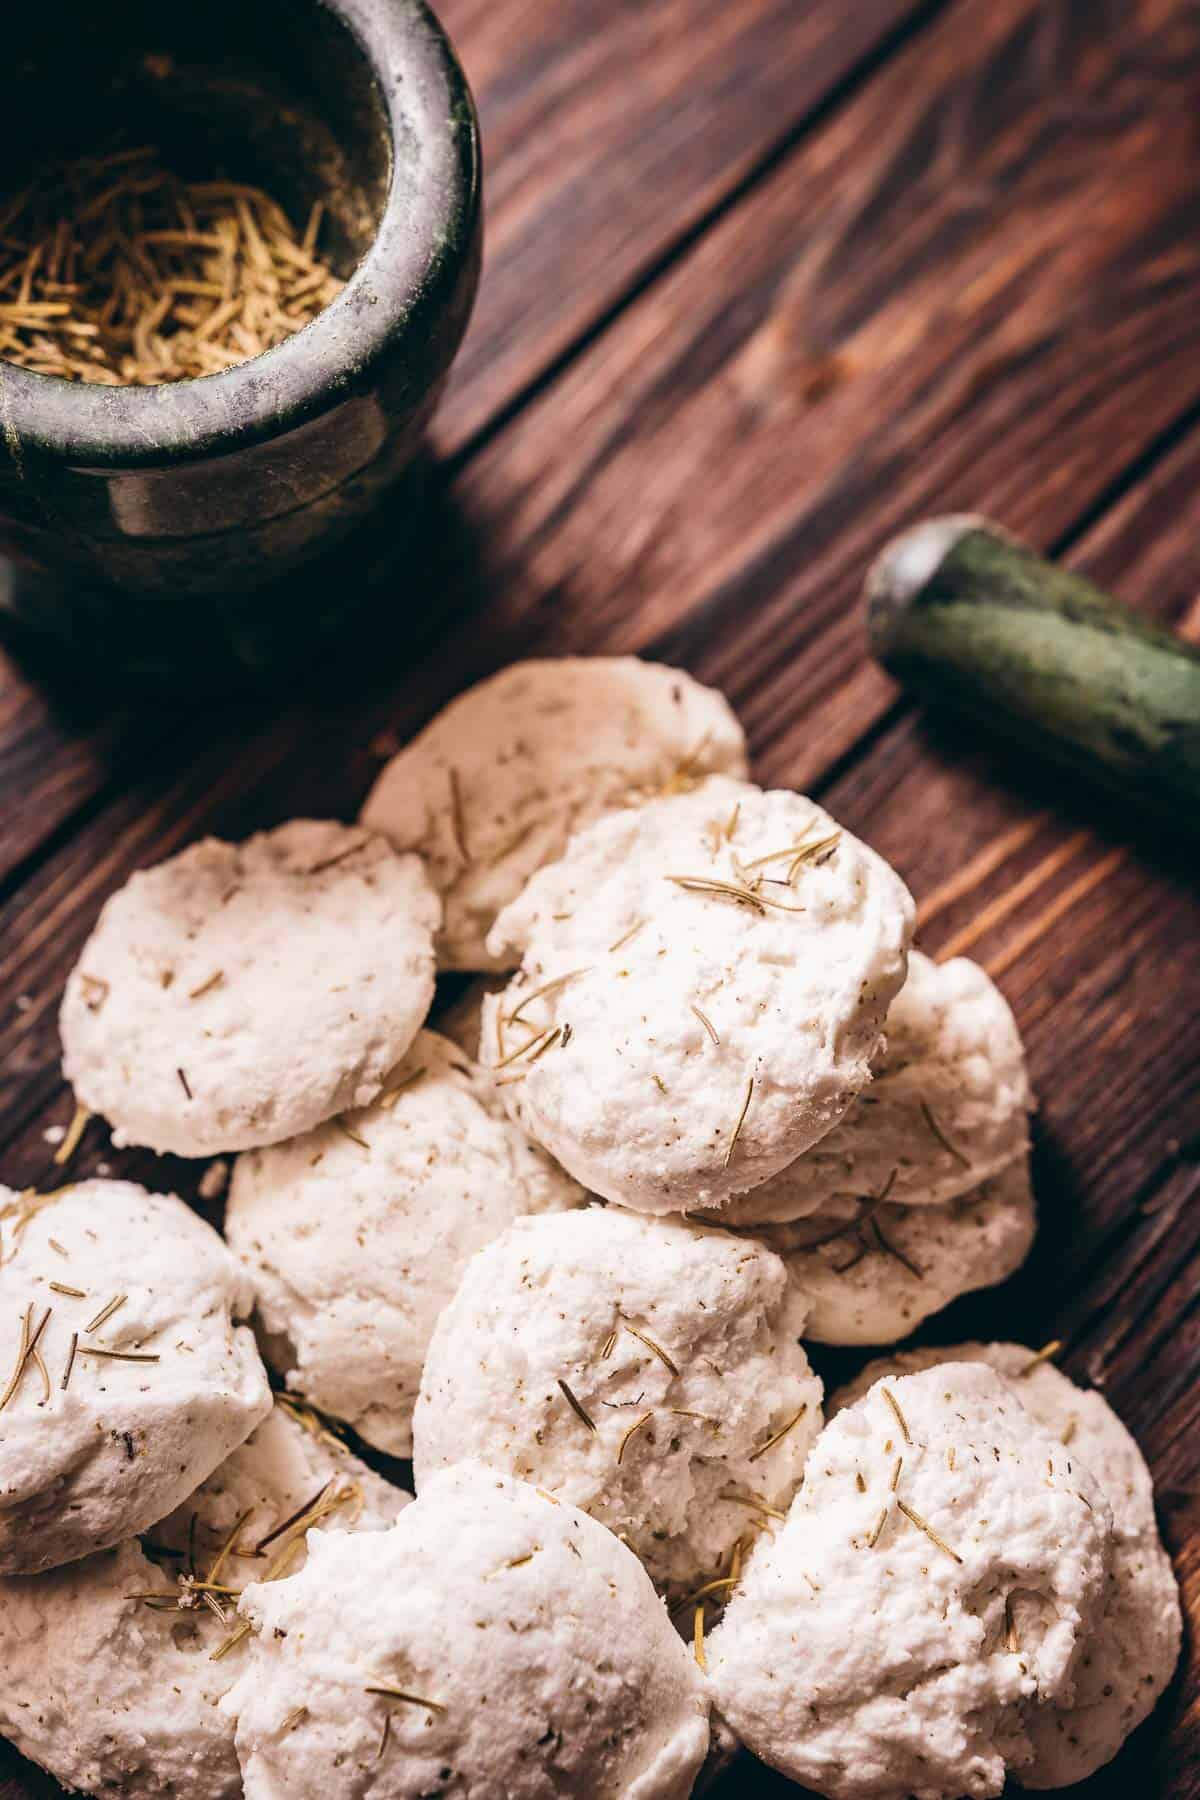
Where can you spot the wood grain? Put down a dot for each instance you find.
(611, 127)
(970, 284)
(936, 300)
(1108, 1000)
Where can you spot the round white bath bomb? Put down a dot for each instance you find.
(535, 1657)
(947, 1109)
(945, 1561)
(717, 1029)
(1131, 1656)
(875, 1284)
(494, 787)
(355, 1237)
(638, 1367)
(240, 993)
(113, 1693)
(131, 1434)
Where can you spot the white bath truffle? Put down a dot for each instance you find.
(874, 1282)
(356, 1235)
(944, 1563)
(127, 1301)
(711, 1029)
(1129, 1660)
(648, 1370)
(493, 788)
(948, 1107)
(240, 993)
(494, 1642)
(112, 1692)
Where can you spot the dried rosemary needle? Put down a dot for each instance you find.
(115, 270)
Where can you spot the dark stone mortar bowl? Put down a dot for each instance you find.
(215, 528)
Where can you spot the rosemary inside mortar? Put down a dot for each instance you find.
(113, 269)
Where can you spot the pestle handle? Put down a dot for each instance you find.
(970, 618)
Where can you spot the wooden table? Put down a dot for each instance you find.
(768, 279)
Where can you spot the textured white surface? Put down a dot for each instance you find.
(869, 1662)
(947, 1109)
(355, 1243)
(237, 994)
(494, 786)
(83, 1468)
(1129, 1660)
(538, 1308)
(642, 1101)
(112, 1695)
(551, 1664)
(876, 1285)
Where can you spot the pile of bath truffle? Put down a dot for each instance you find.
(703, 1105)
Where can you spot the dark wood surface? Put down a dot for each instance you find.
(767, 281)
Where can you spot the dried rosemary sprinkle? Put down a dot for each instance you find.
(106, 1312)
(877, 1529)
(627, 938)
(66, 1376)
(394, 1693)
(95, 991)
(540, 1039)
(896, 1472)
(575, 1406)
(226, 1550)
(549, 987)
(39, 1363)
(231, 1642)
(707, 1024)
(548, 1042)
(725, 890)
(951, 1149)
(25, 1349)
(348, 1131)
(457, 819)
(389, 1098)
(698, 1637)
(183, 1082)
(75, 1130)
(1043, 1355)
(118, 1355)
(894, 1250)
(339, 856)
(206, 987)
(741, 1120)
(635, 1427)
(895, 1406)
(292, 1519)
(927, 1528)
(643, 1338)
(781, 1433)
(114, 270)
(754, 1503)
(60, 1287)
